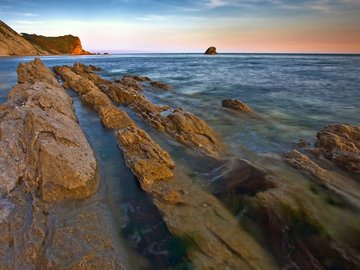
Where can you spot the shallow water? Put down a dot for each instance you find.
(294, 97)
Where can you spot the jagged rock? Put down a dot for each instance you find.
(138, 78)
(181, 125)
(129, 82)
(211, 51)
(45, 162)
(161, 85)
(192, 130)
(347, 189)
(114, 118)
(236, 105)
(58, 151)
(35, 72)
(341, 144)
(148, 161)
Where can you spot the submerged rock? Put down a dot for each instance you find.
(341, 144)
(236, 105)
(161, 85)
(138, 78)
(211, 51)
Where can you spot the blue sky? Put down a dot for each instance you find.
(190, 25)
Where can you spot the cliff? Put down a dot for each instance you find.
(12, 43)
(68, 44)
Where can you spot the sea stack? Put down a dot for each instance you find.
(211, 51)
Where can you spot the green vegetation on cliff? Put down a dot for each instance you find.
(68, 44)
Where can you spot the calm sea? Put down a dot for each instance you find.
(294, 97)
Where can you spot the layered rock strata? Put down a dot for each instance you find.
(46, 162)
(217, 240)
(182, 125)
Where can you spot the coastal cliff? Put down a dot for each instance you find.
(12, 43)
(68, 44)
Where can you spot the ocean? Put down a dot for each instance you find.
(293, 95)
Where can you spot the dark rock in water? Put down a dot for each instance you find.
(341, 144)
(138, 78)
(236, 105)
(161, 85)
(211, 51)
(302, 143)
(239, 177)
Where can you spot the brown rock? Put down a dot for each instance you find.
(211, 51)
(341, 144)
(342, 186)
(148, 161)
(45, 161)
(113, 117)
(181, 125)
(129, 82)
(236, 105)
(193, 131)
(138, 78)
(161, 85)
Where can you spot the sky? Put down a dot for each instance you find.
(244, 26)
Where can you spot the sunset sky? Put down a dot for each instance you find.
(193, 25)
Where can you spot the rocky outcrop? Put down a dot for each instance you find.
(341, 144)
(148, 161)
(46, 162)
(183, 126)
(301, 231)
(236, 105)
(341, 185)
(211, 51)
(11, 43)
(67, 44)
(217, 240)
(161, 85)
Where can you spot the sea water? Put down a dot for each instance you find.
(294, 96)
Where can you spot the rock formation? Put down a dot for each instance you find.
(236, 105)
(211, 51)
(189, 212)
(68, 44)
(341, 144)
(46, 162)
(161, 85)
(11, 43)
(183, 126)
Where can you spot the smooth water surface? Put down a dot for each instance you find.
(294, 97)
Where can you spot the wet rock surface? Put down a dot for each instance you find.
(183, 126)
(217, 240)
(341, 144)
(161, 85)
(236, 105)
(47, 162)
